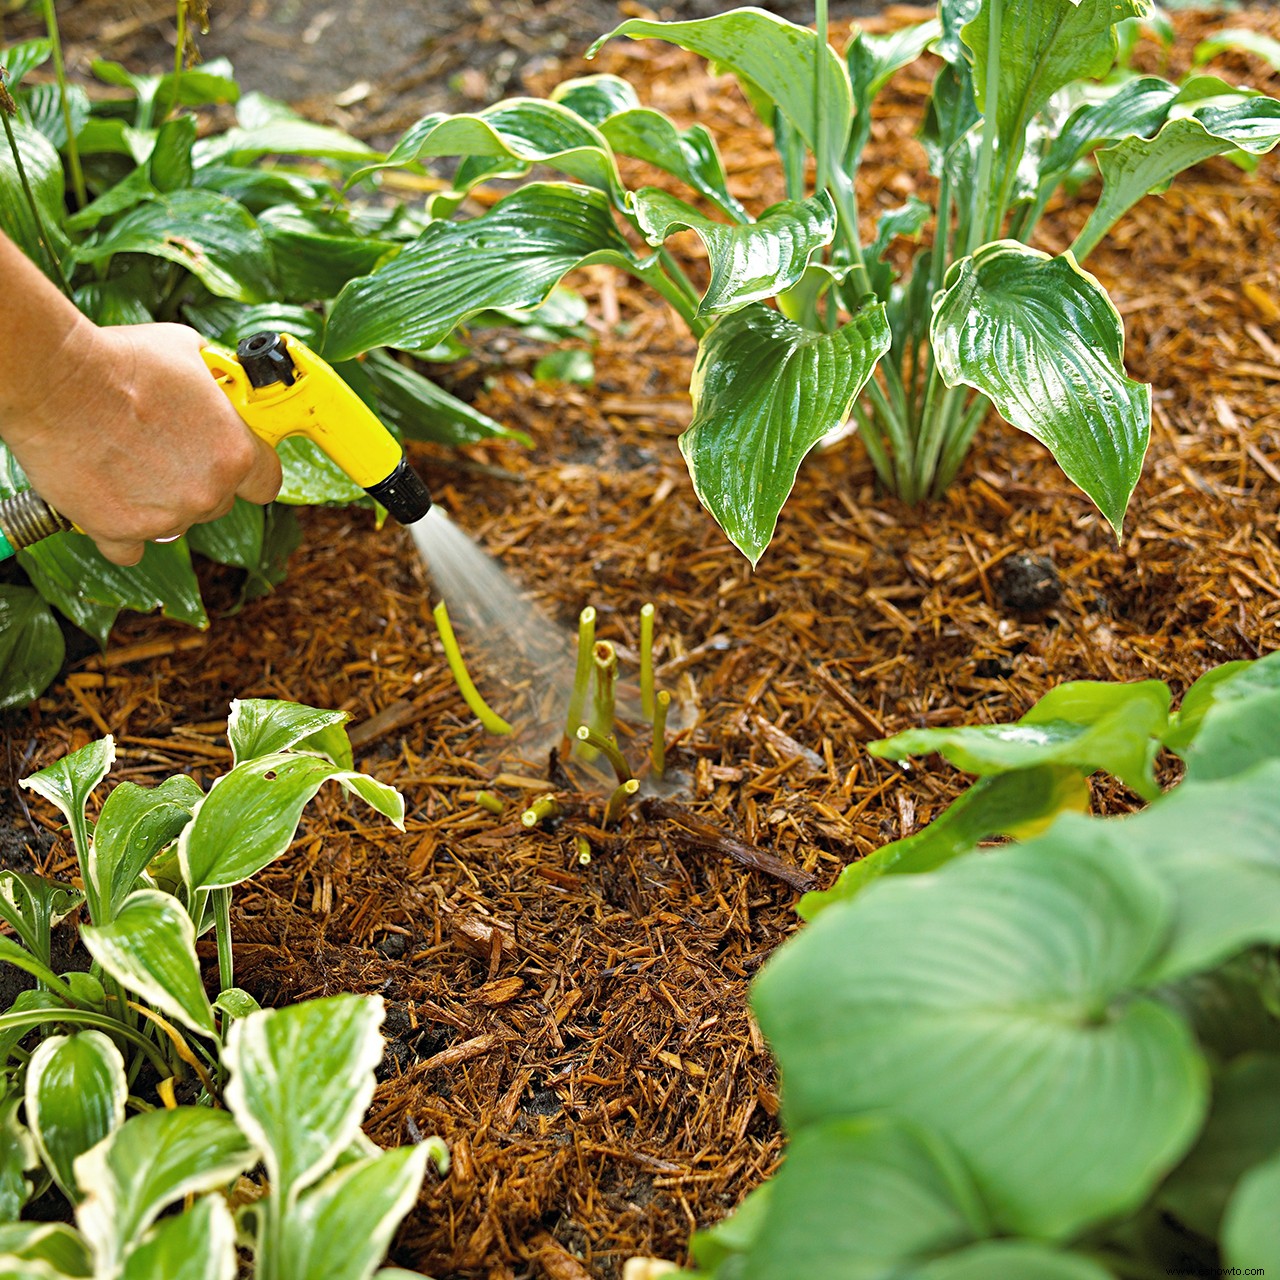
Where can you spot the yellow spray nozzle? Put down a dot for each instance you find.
(281, 388)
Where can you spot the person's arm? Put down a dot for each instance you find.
(122, 429)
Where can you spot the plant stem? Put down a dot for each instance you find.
(86, 1018)
(179, 59)
(73, 151)
(540, 810)
(899, 437)
(821, 139)
(222, 927)
(608, 748)
(957, 445)
(581, 675)
(658, 750)
(656, 278)
(483, 712)
(843, 193)
(875, 448)
(617, 802)
(489, 803)
(990, 127)
(603, 707)
(646, 661)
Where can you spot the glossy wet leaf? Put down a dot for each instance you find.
(1014, 803)
(1021, 1258)
(341, 1229)
(236, 1003)
(973, 1002)
(908, 219)
(150, 949)
(263, 726)
(1229, 720)
(32, 904)
(69, 782)
(858, 1198)
(1135, 166)
(75, 577)
(512, 256)
(301, 1078)
(1085, 725)
(250, 815)
(17, 1154)
(209, 234)
(51, 1242)
(1039, 337)
(311, 479)
(267, 127)
(136, 823)
(75, 1094)
(44, 172)
(199, 1244)
(748, 263)
(1251, 1227)
(765, 391)
(151, 1162)
(316, 254)
(774, 60)
(257, 539)
(872, 60)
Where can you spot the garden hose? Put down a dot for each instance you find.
(281, 389)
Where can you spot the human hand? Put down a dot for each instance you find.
(133, 441)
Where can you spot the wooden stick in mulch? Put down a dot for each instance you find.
(697, 834)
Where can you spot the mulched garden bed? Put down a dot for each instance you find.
(579, 1033)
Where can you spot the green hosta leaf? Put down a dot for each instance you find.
(311, 479)
(596, 98)
(974, 1001)
(1251, 1228)
(1238, 38)
(31, 905)
(1231, 1009)
(1019, 1258)
(417, 409)
(150, 948)
(114, 301)
(250, 816)
(1006, 804)
(22, 57)
(31, 646)
(1043, 45)
(24, 1002)
(765, 391)
(524, 130)
(44, 172)
(236, 1003)
(263, 726)
(153, 1161)
(859, 1198)
(907, 220)
(209, 234)
(51, 1242)
(1230, 719)
(872, 61)
(342, 1228)
(775, 61)
(748, 263)
(68, 783)
(1135, 166)
(197, 1245)
(267, 127)
(301, 1078)
(573, 365)
(73, 575)
(1243, 1130)
(42, 106)
(262, 189)
(316, 254)
(1039, 336)
(1217, 845)
(17, 1154)
(136, 823)
(510, 257)
(1085, 724)
(170, 164)
(75, 1095)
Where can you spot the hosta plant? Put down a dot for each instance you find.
(164, 1194)
(138, 217)
(156, 871)
(802, 323)
(1057, 1060)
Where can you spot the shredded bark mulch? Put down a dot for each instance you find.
(579, 1032)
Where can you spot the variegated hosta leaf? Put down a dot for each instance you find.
(68, 783)
(301, 1078)
(135, 824)
(342, 1228)
(249, 817)
(512, 256)
(263, 726)
(151, 1162)
(765, 391)
(51, 1242)
(197, 1245)
(75, 1094)
(1136, 166)
(748, 263)
(31, 905)
(150, 948)
(1040, 338)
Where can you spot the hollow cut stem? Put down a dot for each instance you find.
(646, 660)
(658, 751)
(581, 674)
(608, 748)
(543, 808)
(605, 660)
(618, 802)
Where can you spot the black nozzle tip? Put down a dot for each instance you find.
(266, 359)
(403, 494)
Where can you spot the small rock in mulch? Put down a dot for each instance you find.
(1027, 584)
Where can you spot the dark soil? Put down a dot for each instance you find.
(579, 1032)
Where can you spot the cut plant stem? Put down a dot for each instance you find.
(540, 810)
(605, 660)
(73, 151)
(489, 802)
(658, 751)
(582, 846)
(608, 748)
(618, 802)
(581, 675)
(487, 716)
(42, 232)
(646, 660)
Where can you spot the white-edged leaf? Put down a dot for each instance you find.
(1040, 338)
(54, 1243)
(68, 783)
(264, 726)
